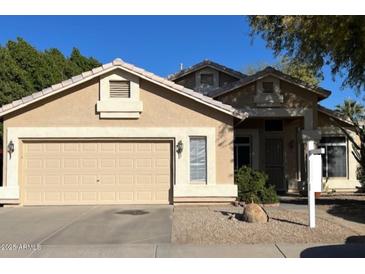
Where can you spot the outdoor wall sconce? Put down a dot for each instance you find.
(179, 147)
(10, 148)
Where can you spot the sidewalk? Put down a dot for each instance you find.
(195, 251)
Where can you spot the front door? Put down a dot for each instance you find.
(274, 162)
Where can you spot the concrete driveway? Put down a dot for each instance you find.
(68, 227)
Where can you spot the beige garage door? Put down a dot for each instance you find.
(95, 172)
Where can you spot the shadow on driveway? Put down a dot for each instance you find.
(353, 248)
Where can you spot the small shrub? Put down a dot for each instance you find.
(268, 195)
(252, 186)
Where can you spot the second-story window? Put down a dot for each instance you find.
(206, 79)
(268, 87)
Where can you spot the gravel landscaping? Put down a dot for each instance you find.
(222, 225)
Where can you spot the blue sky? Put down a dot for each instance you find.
(156, 43)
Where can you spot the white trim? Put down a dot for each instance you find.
(119, 107)
(203, 190)
(16, 134)
(202, 182)
(9, 192)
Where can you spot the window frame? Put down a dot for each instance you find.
(205, 85)
(237, 145)
(205, 181)
(266, 91)
(327, 144)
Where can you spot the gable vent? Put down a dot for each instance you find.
(119, 89)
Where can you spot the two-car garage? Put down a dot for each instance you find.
(151, 141)
(73, 172)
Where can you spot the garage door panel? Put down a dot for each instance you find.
(126, 179)
(108, 163)
(33, 164)
(89, 147)
(126, 196)
(89, 196)
(70, 179)
(71, 163)
(52, 147)
(107, 197)
(96, 172)
(33, 197)
(89, 163)
(52, 196)
(71, 197)
(71, 148)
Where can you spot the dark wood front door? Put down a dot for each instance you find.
(274, 162)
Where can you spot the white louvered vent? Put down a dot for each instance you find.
(119, 89)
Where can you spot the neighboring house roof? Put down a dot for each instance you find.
(323, 93)
(203, 64)
(118, 63)
(333, 114)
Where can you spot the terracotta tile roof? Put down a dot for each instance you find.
(119, 63)
(323, 93)
(206, 63)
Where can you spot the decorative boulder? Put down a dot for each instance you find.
(253, 213)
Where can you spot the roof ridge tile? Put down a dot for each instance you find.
(120, 63)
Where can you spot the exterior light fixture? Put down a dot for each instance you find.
(179, 147)
(10, 148)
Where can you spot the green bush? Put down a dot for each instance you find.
(253, 187)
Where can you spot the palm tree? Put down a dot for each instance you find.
(351, 109)
(355, 112)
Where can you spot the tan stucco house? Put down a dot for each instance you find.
(121, 135)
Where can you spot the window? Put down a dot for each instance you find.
(242, 152)
(335, 158)
(207, 79)
(268, 87)
(198, 159)
(119, 89)
(273, 125)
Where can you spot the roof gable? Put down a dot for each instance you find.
(270, 71)
(204, 64)
(119, 64)
(333, 114)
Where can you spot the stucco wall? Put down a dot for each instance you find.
(330, 128)
(162, 108)
(294, 96)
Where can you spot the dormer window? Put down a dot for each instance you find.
(119, 89)
(268, 87)
(207, 79)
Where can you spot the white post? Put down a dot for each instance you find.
(311, 196)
